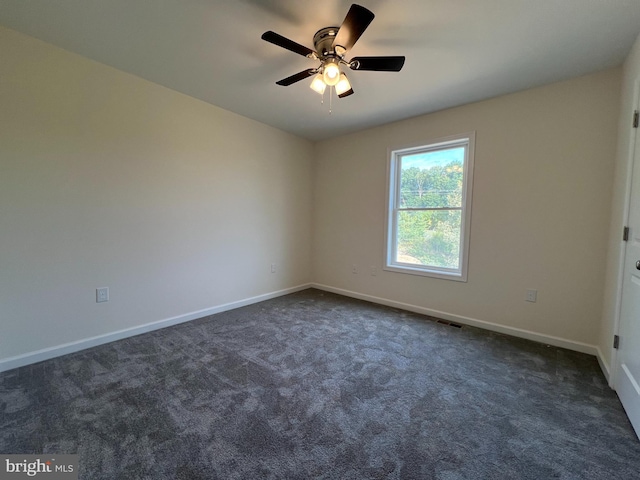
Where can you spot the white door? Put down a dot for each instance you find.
(628, 358)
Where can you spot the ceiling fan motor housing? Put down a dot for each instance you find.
(323, 41)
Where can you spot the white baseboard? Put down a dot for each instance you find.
(474, 322)
(59, 350)
(604, 366)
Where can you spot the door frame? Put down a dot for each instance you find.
(631, 149)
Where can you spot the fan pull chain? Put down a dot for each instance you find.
(330, 99)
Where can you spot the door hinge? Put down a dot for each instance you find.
(616, 341)
(625, 234)
(635, 119)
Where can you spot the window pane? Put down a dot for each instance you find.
(432, 179)
(429, 238)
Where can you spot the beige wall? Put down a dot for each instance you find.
(541, 207)
(630, 77)
(109, 180)
(179, 206)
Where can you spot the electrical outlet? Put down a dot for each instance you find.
(374, 271)
(102, 294)
(273, 268)
(354, 268)
(532, 296)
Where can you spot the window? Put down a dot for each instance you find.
(429, 210)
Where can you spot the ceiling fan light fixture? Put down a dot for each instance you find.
(331, 73)
(343, 85)
(317, 84)
(331, 46)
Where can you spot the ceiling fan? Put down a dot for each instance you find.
(331, 45)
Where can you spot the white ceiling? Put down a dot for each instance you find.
(458, 51)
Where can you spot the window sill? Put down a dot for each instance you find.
(424, 272)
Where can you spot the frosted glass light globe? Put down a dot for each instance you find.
(331, 74)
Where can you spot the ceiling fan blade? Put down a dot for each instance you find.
(377, 64)
(355, 23)
(279, 40)
(285, 82)
(346, 94)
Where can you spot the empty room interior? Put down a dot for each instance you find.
(427, 265)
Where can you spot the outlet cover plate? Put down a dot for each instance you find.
(102, 294)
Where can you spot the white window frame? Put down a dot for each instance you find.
(466, 140)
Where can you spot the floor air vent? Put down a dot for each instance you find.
(451, 324)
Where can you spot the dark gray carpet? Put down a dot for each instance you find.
(314, 385)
